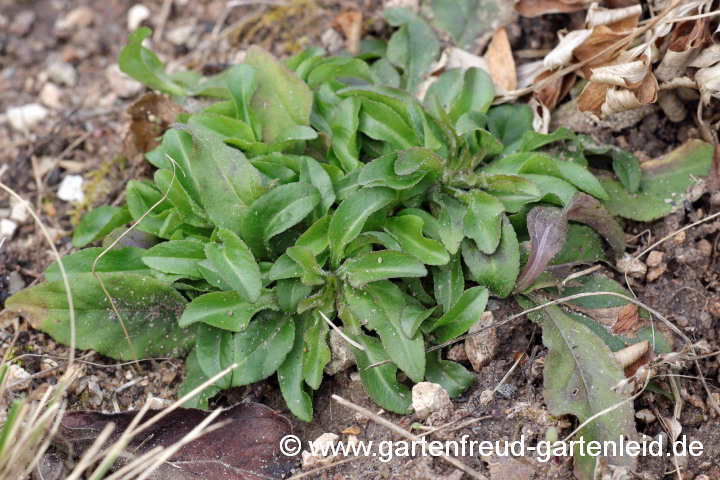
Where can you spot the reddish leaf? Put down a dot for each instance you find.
(247, 448)
(588, 210)
(548, 229)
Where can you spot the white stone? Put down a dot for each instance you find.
(654, 258)
(71, 189)
(180, 35)
(62, 73)
(50, 96)
(156, 403)
(428, 398)
(341, 356)
(480, 348)
(26, 116)
(18, 210)
(324, 442)
(121, 84)
(136, 16)
(17, 374)
(7, 228)
(332, 40)
(631, 266)
(645, 415)
(15, 282)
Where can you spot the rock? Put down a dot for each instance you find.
(679, 238)
(22, 23)
(18, 374)
(332, 40)
(26, 116)
(654, 258)
(316, 458)
(7, 228)
(413, 5)
(645, 415)
(62, 73)
(71, 189)
(428, 398)
(18, 210)
(508, 468)
(656, 272)
(76, 19)
(631, 266)
(50, 96)
(341, 356)
(457, 354)
(136, 16)
(705, 247)
(121, 84)
(156, 403)
(180, 35)
(15, 282)
(480, 348)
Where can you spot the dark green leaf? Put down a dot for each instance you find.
(194, 377)
(144, 66)
(382, 265)
(123, 260)
(236, 264)
(448, 282)
(413, 48)
(226, 310)
(462, 315)
(261, 348)
(407, 230)
(498, 271)
(99, 222)
(483, 220)
(290, 375)
(453, 377)
(148, 307)
(179, 256)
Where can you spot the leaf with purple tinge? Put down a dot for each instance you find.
(246, 448)
(548, 229)
(588, 210)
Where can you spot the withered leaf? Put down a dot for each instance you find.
(151, 115)
(626, 318)
(247, 448)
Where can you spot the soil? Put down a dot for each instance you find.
(88, 135)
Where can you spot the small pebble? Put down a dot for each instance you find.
(22, 23)
(428, 398)
(654, 258)
(122, 85)
(7, 228)
(26, 116)
(632, 266)
(136, 16)
(15, 282)
(62, 73)
(76, 19)
(50, 96)
(71, 189)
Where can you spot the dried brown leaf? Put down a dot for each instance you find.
(561, 55)
(246, 448)
(686, 43)
(626, 318)
(350, 23)
(150, 117)
(500, 61)
(597, 15)
(551, 94)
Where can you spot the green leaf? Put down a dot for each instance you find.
(407, 230)
(290, 376)
(311, 172)
(448, 282)
(348, 220)
(413, 48)
(290, 292)
(233, 131)
(467, 20)
(144, 66)
(226, 310)
(450, 222)
(317, 351)
(580, 373)
(515, 191)
(194, 377)
(227, 183)
(462, 315)
(339, 69)
(261, 348)
(431, 228)
(446, 88)
(99, 222)
(345, 122)
(214, 349)
(662, 185)
(236, 264)
(380, 122)
(178, 145)
(509, 122)
(123, 260)
(242, 85)
(148, 307)
(476, 95)
(499, 270)
(178, 256)
(483, 220)
(386, 73)
(144, 197)
(381, 265)
(532, 140)
(276, 211)
(190, 211)
(453, 377)
(281, 99)
(312, 273)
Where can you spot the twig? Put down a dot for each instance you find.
(162, 20)
(669, 236)
(340, 332)
(405, 434)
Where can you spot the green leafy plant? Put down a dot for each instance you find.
(321, 190)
